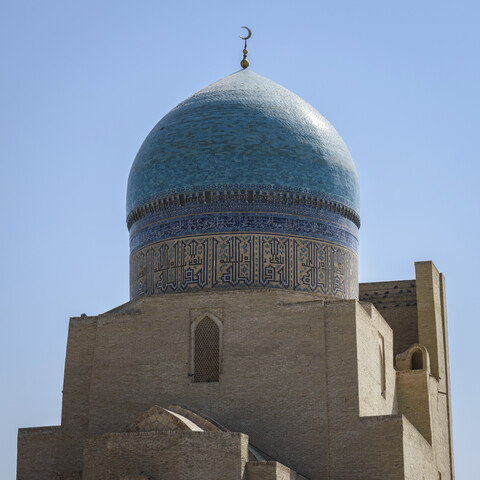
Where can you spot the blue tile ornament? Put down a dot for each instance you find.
(243, 185)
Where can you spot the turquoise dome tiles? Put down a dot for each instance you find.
(243, 130)
(243, 185)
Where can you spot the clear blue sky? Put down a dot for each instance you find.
(82, 84)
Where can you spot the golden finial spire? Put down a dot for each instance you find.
(245, 63)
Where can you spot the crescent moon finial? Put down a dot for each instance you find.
(248, 35)
(245, 63)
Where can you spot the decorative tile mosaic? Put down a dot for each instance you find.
(245, 222)
(244, 261)
(240, 198)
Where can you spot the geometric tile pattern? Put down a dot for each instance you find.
(341, 231)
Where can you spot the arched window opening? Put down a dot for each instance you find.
(417, 360)
(206, 351)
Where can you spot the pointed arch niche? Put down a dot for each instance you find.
(206, 333)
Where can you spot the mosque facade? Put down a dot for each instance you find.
(248, 349)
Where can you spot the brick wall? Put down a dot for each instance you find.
(166, 455)
(37, 453)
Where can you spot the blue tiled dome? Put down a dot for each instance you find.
(243, 130)
(243, 185)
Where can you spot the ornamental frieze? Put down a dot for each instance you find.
(244, 261)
